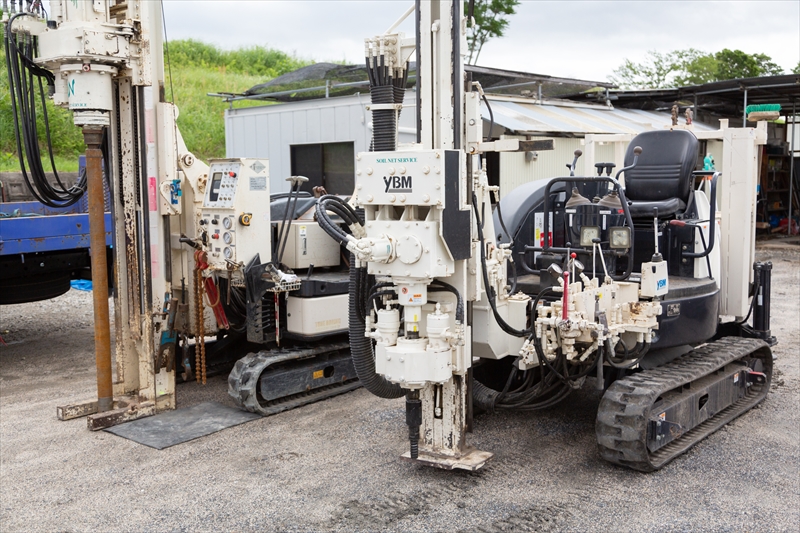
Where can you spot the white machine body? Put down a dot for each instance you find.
(655, 279)
(235, 213)
(316, 316)
(403, 195)
(308, 245)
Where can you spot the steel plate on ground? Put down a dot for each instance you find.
(182, 425)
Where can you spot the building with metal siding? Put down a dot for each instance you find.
(272, 131)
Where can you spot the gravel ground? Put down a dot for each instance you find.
(334, 465)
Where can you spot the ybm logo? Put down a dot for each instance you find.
(397, 183)
(71, 88)
(660, 284)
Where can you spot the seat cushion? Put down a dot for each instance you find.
(664, 169)
(665, 208)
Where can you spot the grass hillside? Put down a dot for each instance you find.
(197, 69)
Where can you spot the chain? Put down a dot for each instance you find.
(200, 330)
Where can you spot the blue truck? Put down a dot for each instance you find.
(42, 249)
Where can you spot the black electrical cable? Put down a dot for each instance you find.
(513, 265)
(511, 246)
(24, 76)
(756, 286)
(553, 386)
(627, 361)
(491, 117)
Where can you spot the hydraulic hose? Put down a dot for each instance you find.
(374, 296)
(489, 291)
(626, 362)
(328, 226)
(511, 245)
(23, 77)
(361, 346)
(386, 86)
(352, 216)
(459, 301)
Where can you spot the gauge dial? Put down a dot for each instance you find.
(227, 222)
(227, 237)
(227, 252)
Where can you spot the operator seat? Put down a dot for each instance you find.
(663, 176)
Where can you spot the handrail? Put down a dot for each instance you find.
(712, 219)
(620, 190)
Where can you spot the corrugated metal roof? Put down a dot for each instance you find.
(551, 118)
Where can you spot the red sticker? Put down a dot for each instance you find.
(151, 191)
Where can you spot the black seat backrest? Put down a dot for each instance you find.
(665, 167)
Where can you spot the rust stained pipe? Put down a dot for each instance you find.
(93, 137)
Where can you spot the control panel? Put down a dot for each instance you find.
(234, 222)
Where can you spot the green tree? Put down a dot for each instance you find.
(658, 71)
(489, 21)
(796, 69)
(692, 67)
(732, 64)
(700, 69)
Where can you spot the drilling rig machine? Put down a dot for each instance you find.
(659, 325)
(198, 248)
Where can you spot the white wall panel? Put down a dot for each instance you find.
(515, 170)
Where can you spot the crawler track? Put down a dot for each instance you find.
(624, 415)
(243, 381)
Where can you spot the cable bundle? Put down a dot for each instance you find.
(387, 85)
(24, 76)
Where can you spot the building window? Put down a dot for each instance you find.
(330, 165)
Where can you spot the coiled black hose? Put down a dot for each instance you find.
(327, 225)
(352, 216)
(361, 346)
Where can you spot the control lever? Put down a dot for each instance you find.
(657, 255)
(595, 243)
(571, 167)
(186, 240)
(608, 167)
(291, 203)
(600, 167)
(637, 151)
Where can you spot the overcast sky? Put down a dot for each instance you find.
(580, 39)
